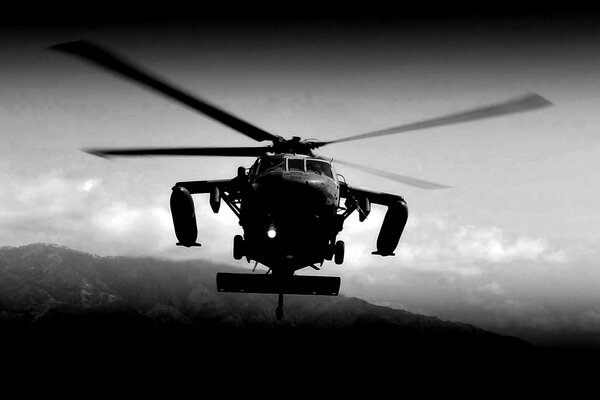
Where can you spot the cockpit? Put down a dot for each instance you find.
(319, 167)
(289, 163)
(270, 164)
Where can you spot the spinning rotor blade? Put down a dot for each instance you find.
(117, 64)
(527, 102)
(407, 180)
(182, 151)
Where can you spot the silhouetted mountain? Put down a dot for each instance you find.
(59, 301)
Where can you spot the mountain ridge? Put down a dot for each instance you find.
(130, 320)
(73, 298)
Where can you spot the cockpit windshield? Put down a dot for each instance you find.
(319, 167)
(274, 163)
(295, 164)
(269, 164)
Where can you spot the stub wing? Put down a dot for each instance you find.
(395, 217)
(382, 198)
(183, 209)
(195, 187)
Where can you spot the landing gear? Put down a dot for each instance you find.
(279, 309)
(335, 251)
(338, 255)
(329, 252)
(238, 247)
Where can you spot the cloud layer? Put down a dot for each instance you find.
(499, 280)
(94, 215)
(431, 243)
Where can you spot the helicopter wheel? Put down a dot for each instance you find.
(339, 252)
(238, 247)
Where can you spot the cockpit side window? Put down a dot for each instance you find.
(254, 168)
(319, 167)
(295, 164)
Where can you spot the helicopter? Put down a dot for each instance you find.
(291, 203)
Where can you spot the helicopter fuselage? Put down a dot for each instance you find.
(289, 216)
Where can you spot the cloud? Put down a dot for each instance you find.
(492, 288)
(434, 244)
(27, 202)
(105, 217)
(89, 184)
(490, 245)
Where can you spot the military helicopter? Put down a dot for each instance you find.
(289, 202)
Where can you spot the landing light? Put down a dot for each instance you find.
(271, 232)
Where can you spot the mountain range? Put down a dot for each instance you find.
(54, 288)
(61, 304)
(62, 307)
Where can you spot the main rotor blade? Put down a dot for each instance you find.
(119, 65)
(182, 151)
(407, 180)
(527, 102)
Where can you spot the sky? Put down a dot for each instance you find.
(512, 247)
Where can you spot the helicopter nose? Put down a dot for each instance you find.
(293, 189)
